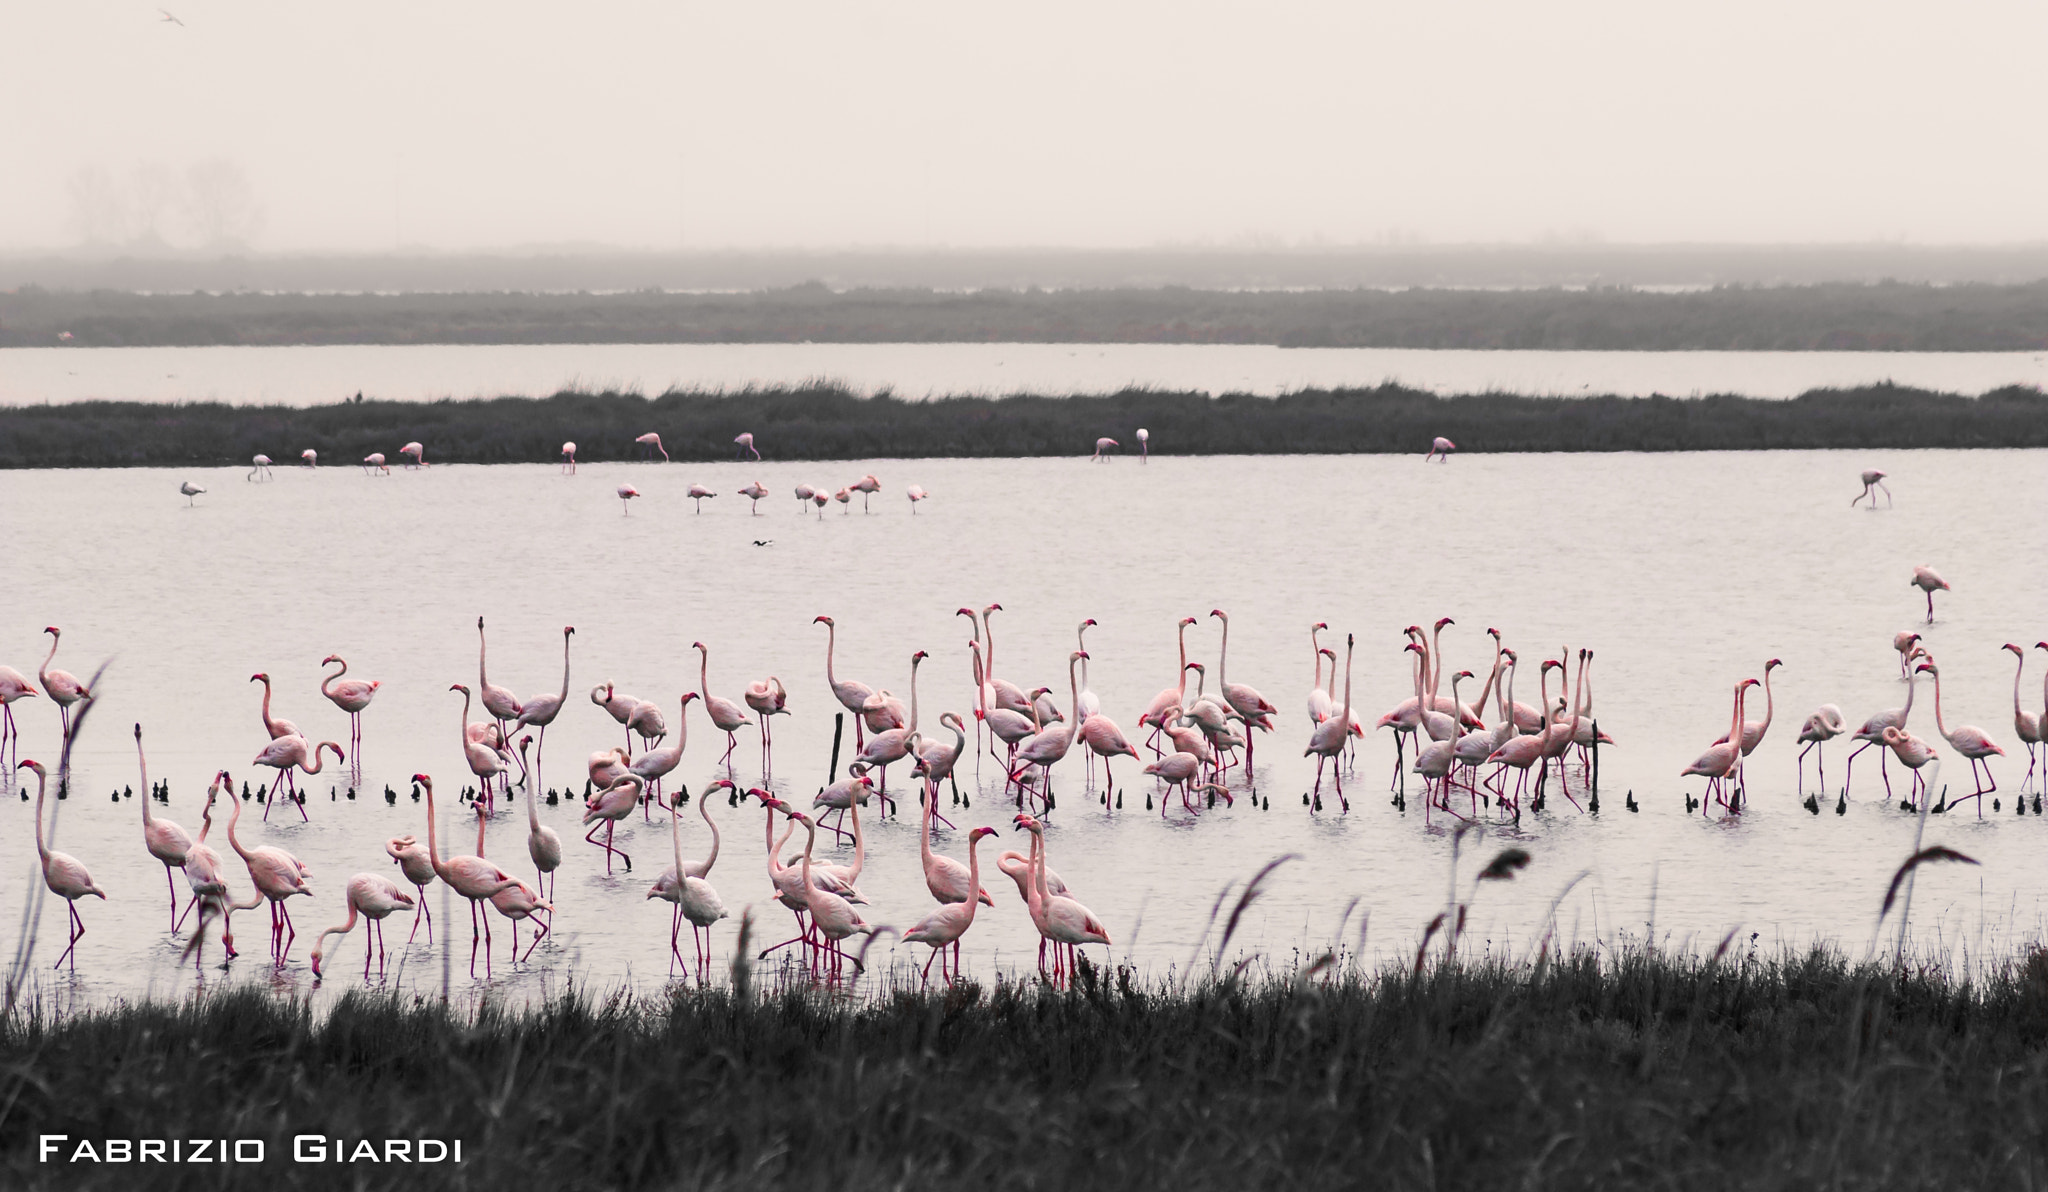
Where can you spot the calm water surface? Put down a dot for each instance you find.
(315, 375)
(1684, 573)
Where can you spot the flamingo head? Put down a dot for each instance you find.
(978, 833)
(1768, 666)
(1926, 668)
(458, 687)
(32, 764)
(918, 657)
(53, 631)
(964, 612)
(259, 677)
(423, 780)
(1443, 621)
(823, 620)
(1328, 653)
(330, 658)
(1089, 621)
(1217, 612)
(2017, 652)
(1186, 621)
(688, 696)
(1510, 655)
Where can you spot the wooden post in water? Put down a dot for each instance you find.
(838, 730)
(1596, 761)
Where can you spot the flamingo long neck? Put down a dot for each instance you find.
(43, 671)
(43, 850)
(1940, 726)
(433, 844)
(479, 828)
(532, 809)
(973, 876)
(809, 842)
(988, 632)
(206, 814)
(234, 817)
(675, 839)
(775, 865)
(327, 683)
(1457, 726)
(1081, 644)
(1436, 652)
(1348, 646)
(1735, 722)
(347, 925)
(1318, 684)
(1223, 657)
(704, 810)
(1180, 677)
(924, 828)
(148, 820)
(312, 765)
(1770, 701)
(1036, 901)
(1544, 711)
(2044, 697)
(481, 681)
(1504, 700)
(564, 697)
(913, 692)
(1572, 729)
(2021, 655)
(1073, 691)
(267, 721)
(704, 672)
(980, 681)
(860, 843)
(831, 647)
(464, 725)
(1912, 685)
(1421, 670)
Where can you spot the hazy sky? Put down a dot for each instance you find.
(667, 124)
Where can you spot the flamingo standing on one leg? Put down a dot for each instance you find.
(191, 492)
(1440, 450)
(754, 492)
(374, 896)
(726, 716)
(62, 686)
(746, 441)
(472, 877)
(626, 493)
(1970, 741)
(767, 697)
(1144, 445)
(1925, 579)
(867, 486)
(612, 804)
(943, 928)
(63, 873)
(417, 865)
(1872, 481)
(351, 696)
(539, 711)
(277, 875)
(916, 493)
(650, 439)
(697, 494)
(166, 841)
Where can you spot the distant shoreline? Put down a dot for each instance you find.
(825, 423)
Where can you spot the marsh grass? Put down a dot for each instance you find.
(830, 423)
(1625, 1067)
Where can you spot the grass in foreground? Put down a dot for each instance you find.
(1641, 1070)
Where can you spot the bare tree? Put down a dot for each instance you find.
(153, 195)
(99, 206)
(220, 205)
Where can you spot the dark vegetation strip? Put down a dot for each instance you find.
(1886, 317)
(828, 423)
(1643, 1071)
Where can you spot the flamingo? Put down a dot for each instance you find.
(1327, 739)
(1017, 867)
(746, 441)
(1243, 697)
(1440, 450)
(650, 439)
(2025, 725)
(694, 897)
(1048, 746)
(63, 873)
(936, 759)
(948, 880)
(539, 711)
(13, 686)
(203, 873)
(852, 695)
(664, 883)
(788, 880)
(1823, 726)
(1915, 753)
(1320, 706)
(655, 764)
(1176, 770)
(311, 457)
(276, 727)
(606, 765)
(543, 844)
(1521, 751)
(623, 708)
(1170, 697)
(1006, 694)
(277, 875)
(1753, 730)
(1720, 760)
(569, 459)
(819, 496)
(916, 493)
(374, 896)
(472, 877)
(698, 492)
(1908, 646)
(351, 696)
(1059, 919)
(1970, 741)
(1435, 760)
(1144, 444)
(944, 927)
(418, 453)
(498, 701)
(1872, 481)
(767, 697)
(286, 754)
(1105, 740)
(626, 493)
(1872, 733)
(484, 760)
(726, 716)
(166, 841)
(1089, 705)
(373, 464)
(417, 865)
(191, 490)
(845, 499)
(516, 901)
(866, 486)
(1925, 579)
(259, 468)
(62, 686)
(612, 804)
(804, 493)
(832, 916)
(1102, 446)
(754, 492)
(892, 744)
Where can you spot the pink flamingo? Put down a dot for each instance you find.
(694, 897)
(275, 726)
(626, 493)
(1823, 726)
(1970, 741)
(1440, 450)
(612, 804)
(767, 697)
(472, 877)
(351, 696)
(63, 873)
(13, 686)
(1320, 706)
(943, 928)
(373, 463)
(726, 716)
(1915, 754)
(1872, 481)
(852, 695)
(166, 841)
(1059, 919)
(539, 711)
(417, 865)
(948, 880)
(1872, 733)
(418, 453)
(867, 486)
(286, 754)
(804, 493)
(277, 875)
(503, 706)
(1144, 445)
(1753, 730)
(916, 493)
(1908, 646)
(310, 457)
(1105, 740)
(656, 764)
(746, 441)
(1327, 739)
(569, 458)
(832, 916)
(203, 874)
(1175, 770)
(1925, 579)
(787, 880)
(2025, 725)
(1170, 697)
(754, 492)
(1719, 761)
(819, 496)
(1245, 699)
(650, 439)
(515, 902)
(1520, 752)
(1004, 693)
(259, 468)
(62, 686)
(892, 744)
(698, 492)
(1101, 447)
(374, 896)
(1049, 746)
(485, 761)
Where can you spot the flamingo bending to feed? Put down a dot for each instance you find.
(540, 710)
(374, 896)
(754, 492)
(1908, 646)
(1720, 760)
(166, 841)
(1144, 445)
(1105, 740)
(63, 873)
(373, 464)
(286, 754)
(417, 865)
(472, 877)
(650, 439)
(259, 468)
(516, 901)
(1926, 579)
(787, 880)
(943, 928)
(1915, 754)
(1970, 741)
(656, 764)
(726, 716)
(204, 876)
(1872, 481)
(1176, 770)
(62, 686)
(1059, 919)
(569, 459)
(1823, 726)
(697, 494)
(351, 696)
(275, 726)
(686, 887)
(767, 697)
(1440, 450)
(310, 457)
(612, 804)
(746, 441)
(852, 695)
(1327, 739)
(277, 875)
(1102, 448)
(418, 453)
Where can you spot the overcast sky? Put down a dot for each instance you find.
(748, 123)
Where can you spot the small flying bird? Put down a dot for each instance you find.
(169, 17)
(764, 542)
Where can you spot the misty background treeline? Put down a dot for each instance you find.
(830, 423)
(1832, 317)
